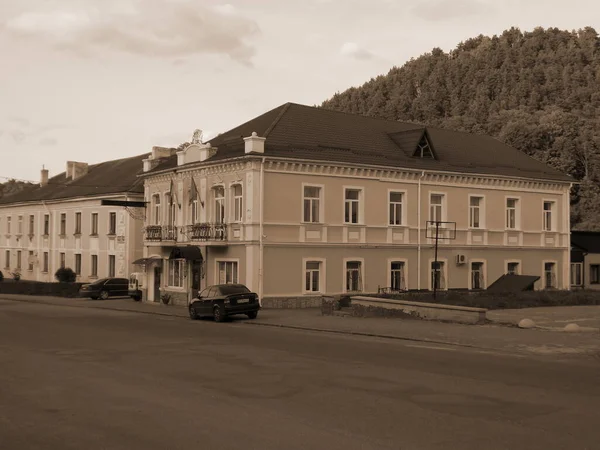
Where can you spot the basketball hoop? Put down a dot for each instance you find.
(432, 231)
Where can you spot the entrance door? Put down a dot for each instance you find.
(195, 287)
(157, 274)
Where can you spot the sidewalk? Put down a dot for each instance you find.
(484, 337)
(552, 318)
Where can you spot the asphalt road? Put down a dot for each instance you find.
(79, 378)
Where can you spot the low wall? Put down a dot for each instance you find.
(362, 306)
(177, 298)
(291, 302)
(24, 287)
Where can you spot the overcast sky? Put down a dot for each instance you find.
(93, 80)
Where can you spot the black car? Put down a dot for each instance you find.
(223, 300)
(104, 288)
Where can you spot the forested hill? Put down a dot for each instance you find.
(11, 187)
(538, 91)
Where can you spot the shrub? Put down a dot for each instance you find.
(65, 275)
(166, 298)
(16, 275)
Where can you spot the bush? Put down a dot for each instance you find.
(65, 275)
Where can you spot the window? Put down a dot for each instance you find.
(312, 276)
(20, 225)
(228, 272)
(424, 149)
(77, 264)
(45, 263)
(477, 279)
(219, 194)
(353, 276)
(171, 211)
(31, 225)
(548, 209)
(94, 266)
(549, 275)
(511, 213)
(77, 223)
(8, 220)
(312, 204)
(352, 205)
(397, 276)
(238, 203)
(18, 259)
(7, 259)
(156, 208)
(395, 202)
(475, 204)
(194, 212)
(595, 274)
(30, 261)
(46, 224)
(438, 280)
(63, 260)
(111, 265)
(176, 270)
(576, 274)
(512, 268)
(94, 224)
(436, 211)
(63, 224)
(112, 223)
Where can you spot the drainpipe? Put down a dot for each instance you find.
(419, 233)
(260, 231)
(50, 243)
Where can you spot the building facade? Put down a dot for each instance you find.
(301, 202)
(585, 260)
(62, 223)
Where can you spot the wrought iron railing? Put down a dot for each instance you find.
(161, 233)
(207, 232)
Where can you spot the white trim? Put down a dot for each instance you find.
(233, 198)
(518, 261)
(444, 205)
(226, 260)
(444, 273)
(482, 212)
(404, 203)
(484, 273)
(322, 275)
(361, 204)
(389, 271)
(518, 206)
(321, 203)
(362, 273)
(553, 215)
(582, 267)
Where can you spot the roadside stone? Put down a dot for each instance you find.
(573, 328)
(526, 323)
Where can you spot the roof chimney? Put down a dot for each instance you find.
(75, 170)
(254, 143)
(44, 176)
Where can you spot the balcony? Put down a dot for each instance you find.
(207, 232)
(161, 233)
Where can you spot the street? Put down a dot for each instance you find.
(81, 378)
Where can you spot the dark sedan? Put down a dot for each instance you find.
(224, 300)
(104, 288)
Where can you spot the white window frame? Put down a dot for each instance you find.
(322, 275)
(226, 261)
(237, 203)
(110, 215)
(19, 259)
(96, 231)
(517, 210)
(219, 217)
(512, 261)
(93, 270)
(362, 287)
(549, 227)
(20, 224)
(45, 262)
(360, 208)
(30, 256)
(176, 280)
(321, 209)
(390, 261)
(580, 266)
(403, 207)
(443, 206)
(62, 224)
(194, 212)
(550, 261)
(481, 208)
(112, 261)
(7, 259)
(8, 224)
(444, 273)
(77, 230)
(77, 263)
(156, 209)
(31, 224)
(483, 262)
(62, 260)
(170, 210)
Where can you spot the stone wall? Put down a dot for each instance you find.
(291, 302)
(177, 298)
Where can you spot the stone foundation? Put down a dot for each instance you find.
(291, 302)
(177, 298)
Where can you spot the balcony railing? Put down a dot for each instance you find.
(207, 232)
(161, 233)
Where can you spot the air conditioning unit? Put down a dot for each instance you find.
(461, 259)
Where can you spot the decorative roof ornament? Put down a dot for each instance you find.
(197, 137)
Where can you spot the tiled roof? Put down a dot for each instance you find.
(111, 177)
(305, 132)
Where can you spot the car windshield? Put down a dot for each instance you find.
(100, 281)
(233, 289)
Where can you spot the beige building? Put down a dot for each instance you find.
(61, 222)
(302, 201)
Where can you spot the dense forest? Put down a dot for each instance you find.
(11, 187)
(538, 91)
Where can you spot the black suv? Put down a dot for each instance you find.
(223, 300)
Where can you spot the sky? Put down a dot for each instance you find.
(95, 80)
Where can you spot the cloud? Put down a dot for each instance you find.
(353, 50)
(438, 10)
(151, 28)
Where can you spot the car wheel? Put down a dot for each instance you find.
(252, 315)
(218, 314)
(193, 313)
(103, 295)
(93, 297)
